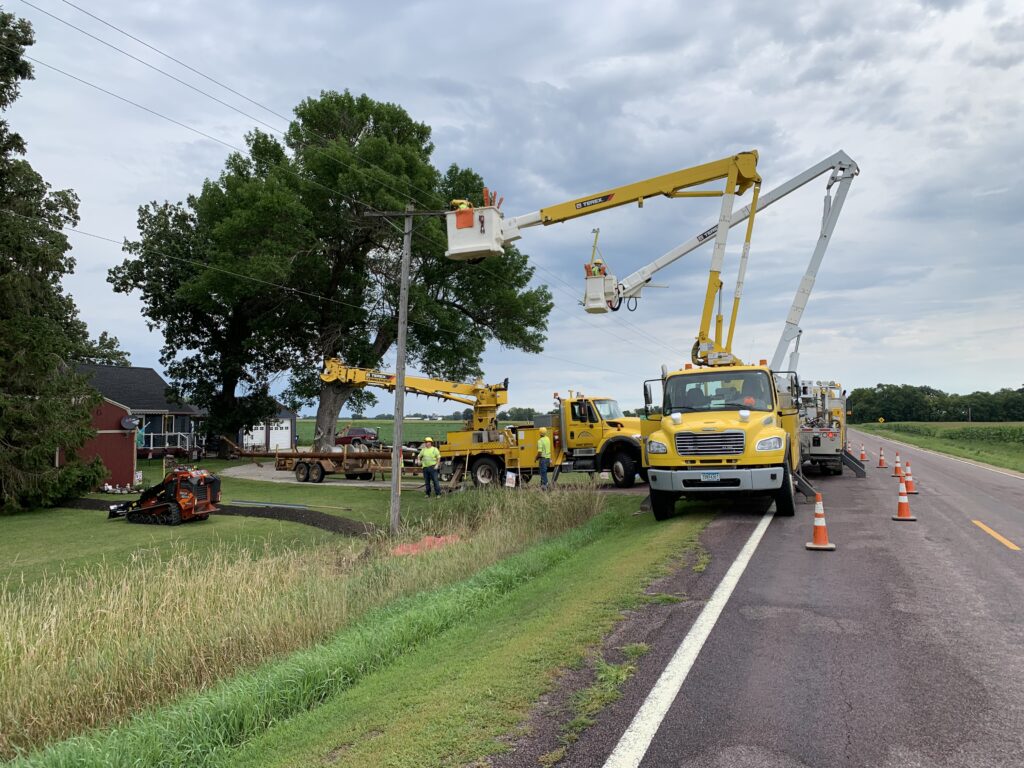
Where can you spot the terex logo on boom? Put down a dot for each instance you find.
(593, 201)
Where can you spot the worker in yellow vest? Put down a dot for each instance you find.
(544, 456)
(429, 458)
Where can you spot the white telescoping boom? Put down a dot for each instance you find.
(842, 168)
(842, 173)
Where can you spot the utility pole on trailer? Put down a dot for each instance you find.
(403, 328)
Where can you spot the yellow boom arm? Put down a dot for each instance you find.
(485, 398)
(481, 232)
(740, 171)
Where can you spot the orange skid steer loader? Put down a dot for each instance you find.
(183, 495)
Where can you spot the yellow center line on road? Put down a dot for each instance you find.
(1001, 539)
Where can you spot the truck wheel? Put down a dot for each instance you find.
(316, 473)
(785, 497)
(302, 471)
(485, 471)
(366, 476)
(353, 476)
(623, 470)
(663, 504)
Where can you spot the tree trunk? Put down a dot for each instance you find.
(333, 396)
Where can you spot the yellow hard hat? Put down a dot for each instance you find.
(543, 430)
(428, 440)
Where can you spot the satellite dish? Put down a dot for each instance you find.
(129, 422)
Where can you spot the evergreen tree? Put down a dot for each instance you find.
(44, 405)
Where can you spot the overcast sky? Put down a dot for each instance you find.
(923, 282)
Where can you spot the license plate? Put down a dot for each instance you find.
(710, 477)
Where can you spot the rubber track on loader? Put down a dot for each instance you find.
(158, 514)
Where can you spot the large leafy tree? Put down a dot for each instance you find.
(209, 272)
(357, 155)
(275, 267)
(44, 406)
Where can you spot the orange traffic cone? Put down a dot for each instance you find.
(820, 541)
(881, 459)
(903, 507)
(897, 470)
(863, 453)
(909, 479)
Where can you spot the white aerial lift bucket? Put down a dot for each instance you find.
(474, 233)
(597, 291)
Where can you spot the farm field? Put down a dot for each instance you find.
(998, 443)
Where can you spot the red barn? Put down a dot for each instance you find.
(113, 443)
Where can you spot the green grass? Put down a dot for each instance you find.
(54, 541)
(85, 651)
(455, 699)
(1000, 444)
(356, 502)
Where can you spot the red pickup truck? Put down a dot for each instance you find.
(356, 436)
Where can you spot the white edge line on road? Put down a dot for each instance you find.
(638, 736)
(977, 464)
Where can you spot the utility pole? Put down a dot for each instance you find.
(403, 330)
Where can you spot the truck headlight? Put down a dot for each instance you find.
(769, 444)
(656, 446)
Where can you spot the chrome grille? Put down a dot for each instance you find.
(710, 444)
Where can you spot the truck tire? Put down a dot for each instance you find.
(643, 474)
(316, 473)
(485, 471)
(302, 471)
(785, 497)
(663, 504)
(623, 470)
(366, 476)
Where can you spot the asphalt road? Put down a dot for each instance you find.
(904, 647)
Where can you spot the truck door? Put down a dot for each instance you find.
(787, 387)
(583, 427)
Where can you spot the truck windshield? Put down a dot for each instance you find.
(721, 390)
(609, 409)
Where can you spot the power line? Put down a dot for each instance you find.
(270, 283)
(639, 334)
(222, 85)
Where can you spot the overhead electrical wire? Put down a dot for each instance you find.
(409, 197)
(269, 283)
(640, 335)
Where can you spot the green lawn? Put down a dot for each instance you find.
(53, 540)
(366, 504)
(988, 442)
(456, 698)
(47, 541)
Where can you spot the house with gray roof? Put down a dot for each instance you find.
(165, 423)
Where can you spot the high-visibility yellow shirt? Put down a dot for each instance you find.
(429, 456)
(544, 447)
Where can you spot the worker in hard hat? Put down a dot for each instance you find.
(543, 456)
(429, 458)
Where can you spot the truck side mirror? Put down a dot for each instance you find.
(648, 397)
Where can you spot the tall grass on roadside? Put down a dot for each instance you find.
(87, 651)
